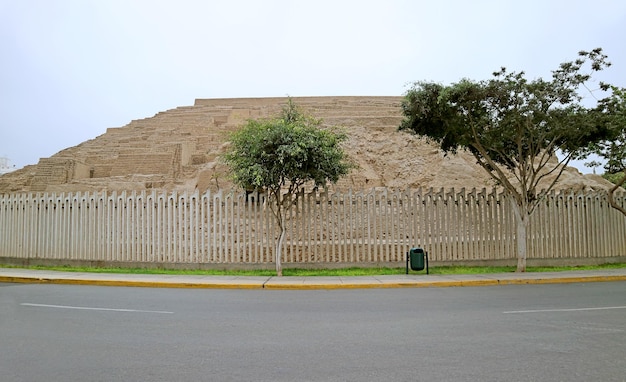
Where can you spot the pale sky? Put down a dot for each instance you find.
(71, 69)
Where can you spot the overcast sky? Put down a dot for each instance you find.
(71, 69)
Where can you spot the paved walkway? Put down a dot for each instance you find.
(414, 280)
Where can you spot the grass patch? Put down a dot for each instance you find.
(354, 271)
(578, 268)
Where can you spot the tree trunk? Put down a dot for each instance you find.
(279, 247)
(521, 228)
(521, 244)
(276, 205)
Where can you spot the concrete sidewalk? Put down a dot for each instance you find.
(414, 280)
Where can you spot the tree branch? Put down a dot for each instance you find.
(491, 166)
(612, 201)
(545, 191)
(544, 158)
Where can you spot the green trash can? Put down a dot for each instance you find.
(418, 260)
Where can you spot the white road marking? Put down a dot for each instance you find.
(564, 310)
(92, 308)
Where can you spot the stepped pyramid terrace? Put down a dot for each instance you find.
(179, 149)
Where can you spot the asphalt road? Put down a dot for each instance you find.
(571, 332)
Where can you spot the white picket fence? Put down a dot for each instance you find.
(349, 228)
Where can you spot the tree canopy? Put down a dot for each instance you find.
(278, 156)
(614, 150)
(514, 126)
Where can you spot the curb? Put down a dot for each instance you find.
(127, 283)
(268, 284)
(447, 284)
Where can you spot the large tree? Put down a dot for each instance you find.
(514, 127)
(279, 156)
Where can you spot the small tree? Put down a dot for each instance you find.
(279, 156)
(513, 127)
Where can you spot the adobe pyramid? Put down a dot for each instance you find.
(178, 149)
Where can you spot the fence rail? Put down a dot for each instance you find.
(376, 226)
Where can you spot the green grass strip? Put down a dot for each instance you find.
(354, 271)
